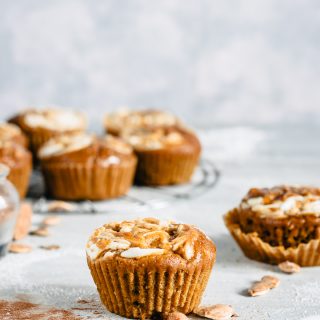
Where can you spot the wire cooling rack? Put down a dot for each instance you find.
(205, 178)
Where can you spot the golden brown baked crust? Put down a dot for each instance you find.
(273, 224)
(11, 132)
(146, 267)
(82, 166)
(19, 161)
(165, 155)
(117, 121)
(41, 125)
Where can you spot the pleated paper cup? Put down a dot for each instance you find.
(78, 181)
(148, 287)
(165, 167)
(305, 254)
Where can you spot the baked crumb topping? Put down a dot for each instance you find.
(137, 119)
(54, 119)
(8, 131)
(282, 201)
(142, 237)
(153, 139)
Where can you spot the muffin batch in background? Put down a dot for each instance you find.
(147, 268)
(14, 155)
(278, 224)
(40, 125)
(82, 166)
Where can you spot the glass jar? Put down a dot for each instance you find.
(9, 208)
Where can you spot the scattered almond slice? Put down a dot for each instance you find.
(41, 232)
(216, 312)
(50, 247)
(271, 281)
(19, 248)
(60, 206)
(177, 316)
(51, 220)
(258, 289)
(289, 267)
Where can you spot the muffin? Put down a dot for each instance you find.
(82, 166)
(115, 122)
(41, 125)
(166, 156)
(19, 161)
(146, 268)
(11, 132)
(278, 224)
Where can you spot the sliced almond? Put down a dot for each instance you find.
(19, 248)
(271, 281)
(289, 267)
(259, 288)
(177, 316)
(41, 232)
(50, 247)
(216, 312)
(51, 220)
(61, 206)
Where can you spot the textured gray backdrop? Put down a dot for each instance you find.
(226, 62)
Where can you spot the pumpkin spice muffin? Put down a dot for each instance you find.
(11, 132)
(116, 122)
(166, 156)
(147, 268)
(41, 125)
(19, 161)
(82, 166)
(278, 224)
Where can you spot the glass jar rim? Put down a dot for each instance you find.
(4, 171)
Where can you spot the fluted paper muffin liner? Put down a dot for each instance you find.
(305, 254)
(143, 291)
(77, 181)
(165, 168)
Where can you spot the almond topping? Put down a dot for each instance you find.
(176, 316)
(41, 232)
(51, 220)
(216, 312)
(289, 267)
(19, 248)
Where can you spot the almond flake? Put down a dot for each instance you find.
(41, 232)
(60, 206)
(271, 281)
(177, 316)
(50, 247)
(258, 289)
(216, 312)
(19, 248)
(289, 267)
(51, 220)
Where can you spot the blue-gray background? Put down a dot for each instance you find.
(212, 62)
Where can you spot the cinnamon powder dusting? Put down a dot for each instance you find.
(20, 310)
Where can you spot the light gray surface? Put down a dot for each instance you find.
(211, 61)
(246, 157)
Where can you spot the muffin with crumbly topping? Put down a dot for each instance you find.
(81, 166)
(11, 132)
(166, 156)
(147, 268)
(117, 121)
(42, 124)
(278, 224)
(19, 160)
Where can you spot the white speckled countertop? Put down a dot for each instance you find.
(246, 157)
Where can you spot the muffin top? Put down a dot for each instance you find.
(84, 146)
(11, 132)
(282, 201)
(50, 119)
(159, 138)
(147, 237)
(116, 121)
(13, 154)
